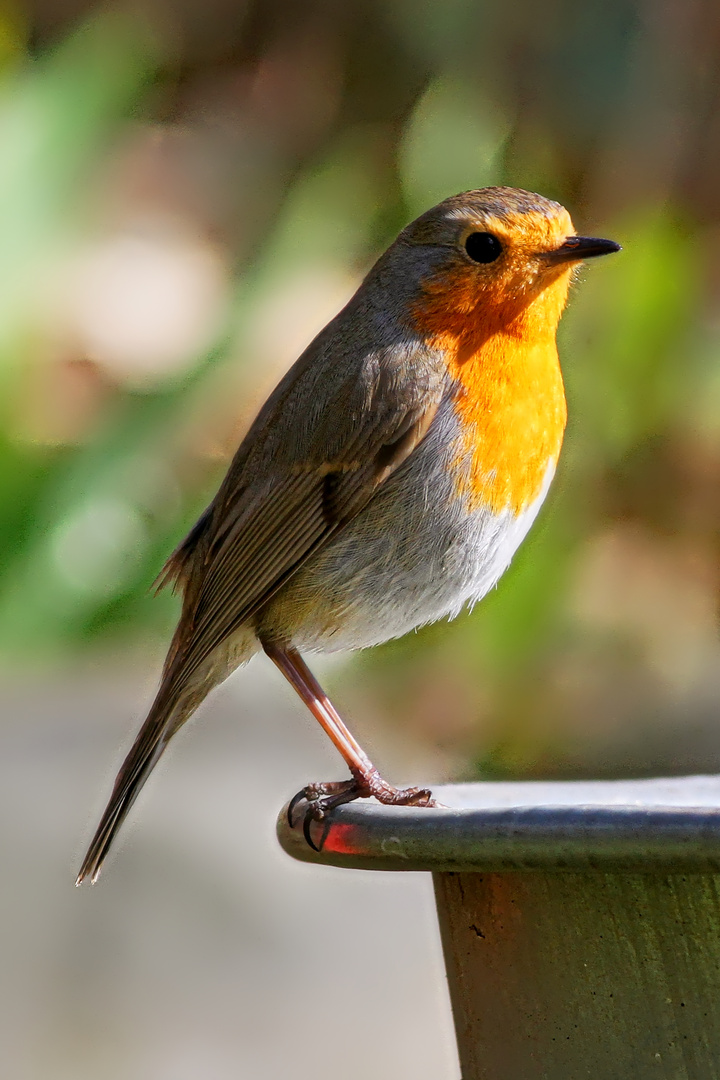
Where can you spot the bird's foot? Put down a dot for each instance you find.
(322, 798)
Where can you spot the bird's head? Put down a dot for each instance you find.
(496, 257)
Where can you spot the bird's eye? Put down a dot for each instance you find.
(483, 247)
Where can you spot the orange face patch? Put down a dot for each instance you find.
(497, 329)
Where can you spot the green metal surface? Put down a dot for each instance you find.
(580, 921)
(583, 975)
(670, 825)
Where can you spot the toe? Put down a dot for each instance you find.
(421, 797)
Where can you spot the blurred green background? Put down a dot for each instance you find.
(187, 194)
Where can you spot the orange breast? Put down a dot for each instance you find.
(510, 399)
(511, 406)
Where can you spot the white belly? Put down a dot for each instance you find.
(412, 556)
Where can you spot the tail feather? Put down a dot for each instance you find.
(142, 759)
(176, 701)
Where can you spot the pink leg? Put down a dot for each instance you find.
(366, 780)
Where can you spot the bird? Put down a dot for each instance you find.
(386, 482)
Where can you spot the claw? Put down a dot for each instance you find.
(307, 823)
(292, 805)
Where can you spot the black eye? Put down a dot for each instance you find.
(483, 247)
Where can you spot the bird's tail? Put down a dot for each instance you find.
(162, 722)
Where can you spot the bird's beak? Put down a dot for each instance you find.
(576, 248)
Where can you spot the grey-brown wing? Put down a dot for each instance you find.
(265, 536)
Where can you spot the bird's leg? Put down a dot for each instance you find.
(366, 780)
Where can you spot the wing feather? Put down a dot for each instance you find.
(260, 533)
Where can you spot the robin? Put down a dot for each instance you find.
(388, 479)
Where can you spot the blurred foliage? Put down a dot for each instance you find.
(258, 159)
